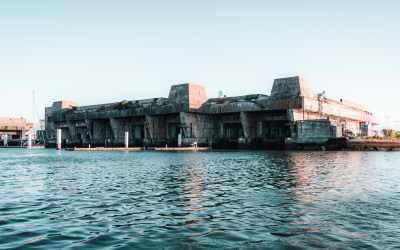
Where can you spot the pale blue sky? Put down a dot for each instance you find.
(96, 52)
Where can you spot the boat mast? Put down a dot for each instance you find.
(37, 114)
(33, 114)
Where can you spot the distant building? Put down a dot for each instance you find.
(13, 130)
(290, 117)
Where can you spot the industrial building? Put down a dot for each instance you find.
(291, 117)
(13, 131)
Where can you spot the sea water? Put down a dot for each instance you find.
(221, 199)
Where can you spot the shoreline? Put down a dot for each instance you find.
(372, 145)
(350, 145)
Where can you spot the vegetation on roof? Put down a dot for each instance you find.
(125, 104)
(251, 97)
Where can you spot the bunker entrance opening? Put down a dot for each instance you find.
(275, 129)
(233, 131)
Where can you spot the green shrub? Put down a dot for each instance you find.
(122, 105)
(389, 133)
(251, 97)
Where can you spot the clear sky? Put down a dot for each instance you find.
(96, 51)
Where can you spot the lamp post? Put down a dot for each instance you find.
(397, 125)
(387, 121)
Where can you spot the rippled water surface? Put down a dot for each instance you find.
(175, 200)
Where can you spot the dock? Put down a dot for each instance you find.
(13, 147)
(183, 149)
(141, 149)
(104, 149)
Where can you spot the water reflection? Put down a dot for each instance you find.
(316, 173)
(327, 188)
(193, 199)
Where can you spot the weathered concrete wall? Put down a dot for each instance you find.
(197, 96)
(163, 130)
(317, 134)
(191, 95)
(317, 129)
(64, 105)
(291, 87)
(335, 109)
(352, 104)
(200, 128)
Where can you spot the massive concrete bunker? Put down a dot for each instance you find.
(291, 117)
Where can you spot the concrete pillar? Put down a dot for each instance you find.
(29, 141)
(179, 140)
(89, 125)
(184, 128)
(58, 139)
(115, 126)
(126, 139)
(5, 140)
(293, 130)
(245, 124)
(150, 126)
(72, 130)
